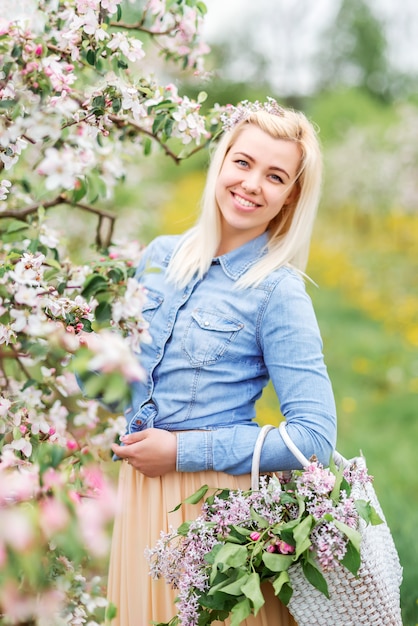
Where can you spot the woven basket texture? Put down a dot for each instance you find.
(372, 597)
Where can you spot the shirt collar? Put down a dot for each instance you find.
(238, 261)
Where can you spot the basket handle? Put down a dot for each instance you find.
(255, 466)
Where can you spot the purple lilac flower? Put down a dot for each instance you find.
(315, 479)
(329, 543)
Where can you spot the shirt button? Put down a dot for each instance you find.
(206, 323)
(138, 422)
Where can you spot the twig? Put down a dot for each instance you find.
(62, 199)
(138, 26)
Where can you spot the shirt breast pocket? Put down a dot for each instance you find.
(208, 336)
(152, 304)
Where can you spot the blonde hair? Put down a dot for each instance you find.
(290, 232)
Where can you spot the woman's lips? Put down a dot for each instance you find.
(247, 205)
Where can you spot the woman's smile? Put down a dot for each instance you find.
(243, 202)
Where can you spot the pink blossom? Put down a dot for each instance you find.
(114, 355)
(285, 548)
(54, 516)
(16, 529)
(255, 536)
(5, 405)
(22, 445)
(51, 479)
(4, 26)
(16, 605)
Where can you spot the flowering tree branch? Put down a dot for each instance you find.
(79, 103)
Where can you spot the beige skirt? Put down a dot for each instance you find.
(144, 505)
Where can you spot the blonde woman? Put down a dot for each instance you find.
(228, 311)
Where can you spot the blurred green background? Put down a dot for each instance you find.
(351, 66)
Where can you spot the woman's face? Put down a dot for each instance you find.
(256, 180)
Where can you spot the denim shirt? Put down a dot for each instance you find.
(213, 350)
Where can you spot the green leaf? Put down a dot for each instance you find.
(353, 535)
(93, 385)
(103, 312)
(116, 274)
(301, 535)
(201, 6)
(351, 559)
(111, 611)
(238, 535)
(91, 57)
(251, 589)
(157, 124)
(283, 588)
(168, 126)
(116, 105)
(240, 612)
(16, 51)
(93, 285)
(314, 576)
(5, 104)
(49, 455)
(197, 495)
(183, 529)
(147, 143)
(53, 263)
(368, 512)
(277, 562)
(233, 588)
(338, 473)
(116, 388)
(80, 192)
(16, 225)
(230, 555)
(261, 521)
(245, 532)
(193, 499)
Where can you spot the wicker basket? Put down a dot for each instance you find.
(372, 597)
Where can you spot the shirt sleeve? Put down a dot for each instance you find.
(291, 344)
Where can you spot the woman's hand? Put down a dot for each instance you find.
(152, 452)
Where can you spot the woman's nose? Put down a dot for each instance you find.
(251, 185)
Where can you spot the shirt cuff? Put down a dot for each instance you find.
(194, 451)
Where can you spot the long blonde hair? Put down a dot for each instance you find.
(290, 232)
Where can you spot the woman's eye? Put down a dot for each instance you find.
(241, 162)
(276, 178)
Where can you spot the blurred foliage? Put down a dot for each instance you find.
(354, 51)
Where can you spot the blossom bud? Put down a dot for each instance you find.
(38, 50)
(271, 548)
(285, 548)
(255, 536)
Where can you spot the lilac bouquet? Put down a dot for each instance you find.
(218, 561)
